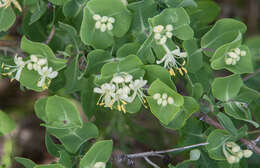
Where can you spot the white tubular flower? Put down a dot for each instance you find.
(236, 149)
(46, 73)
(7, 3)
(169, 28)
(170, 60)
(18, 67)
(99, 165)
(103, 23)
(107, 92)
(247, 153)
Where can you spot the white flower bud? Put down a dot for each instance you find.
(158, 29)
(240, 154)
(104, 19)
(168, 34)
(159, 101)
(98, 25)
(163, 40)
(237, 51)
(157, 96)
(99, 165)
(34, 58)
(30, 66)
(247, 153)
(231, 159)
(164, 96)
(164, 102)
(234, 62)
(228, 61)
(111, 20)
(103, 28)
(36, 67)
(96, 17)
(170, 100)
(169, 28)
(128, 78)
(236, 149)
(157, 36)
(243, 53)
(118, 79)
(109, 26)
(42, 61)
(232, 55)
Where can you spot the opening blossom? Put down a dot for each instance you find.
(171, 58)
(121, 90)
(234, 153)
(7, 3)
(163, 99)
(233, 56)
(35, 63)
(104, 23)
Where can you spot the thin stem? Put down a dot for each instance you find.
(254, 132)
(251, 75)
(50, 35)
(150, 162)
(155, 153)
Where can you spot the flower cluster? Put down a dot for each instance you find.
(234, 153)
(170, 60)
(35, 63)
(163, 99)
(161, 34)
(233, 56)
(103, 23)
(122, 89)
(7, 3)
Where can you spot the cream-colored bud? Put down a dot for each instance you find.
(247, 153)
(164, 102)
(237, 51)
(103, 28)
(231, 159)
(164, 95)
(157, 96)
(96, 17)
(236, 149)
(98, 25)
(169, 28)
(228, 61)
(170, 100)
(157, 36)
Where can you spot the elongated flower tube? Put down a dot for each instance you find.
(7, 3)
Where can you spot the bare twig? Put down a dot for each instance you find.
(50, 35)
(150, 162)
(251, 75)
(156, 153)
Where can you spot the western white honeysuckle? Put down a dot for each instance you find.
(46, 73)
(7, 3)
(103, 23)
(233, 56)
(171, 60)
(18, 67)
(35, 63)
(120, 91)
(163, 99)
(107, 91)
(161, 33)
(234, 153)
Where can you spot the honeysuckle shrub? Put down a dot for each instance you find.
(172, 59)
